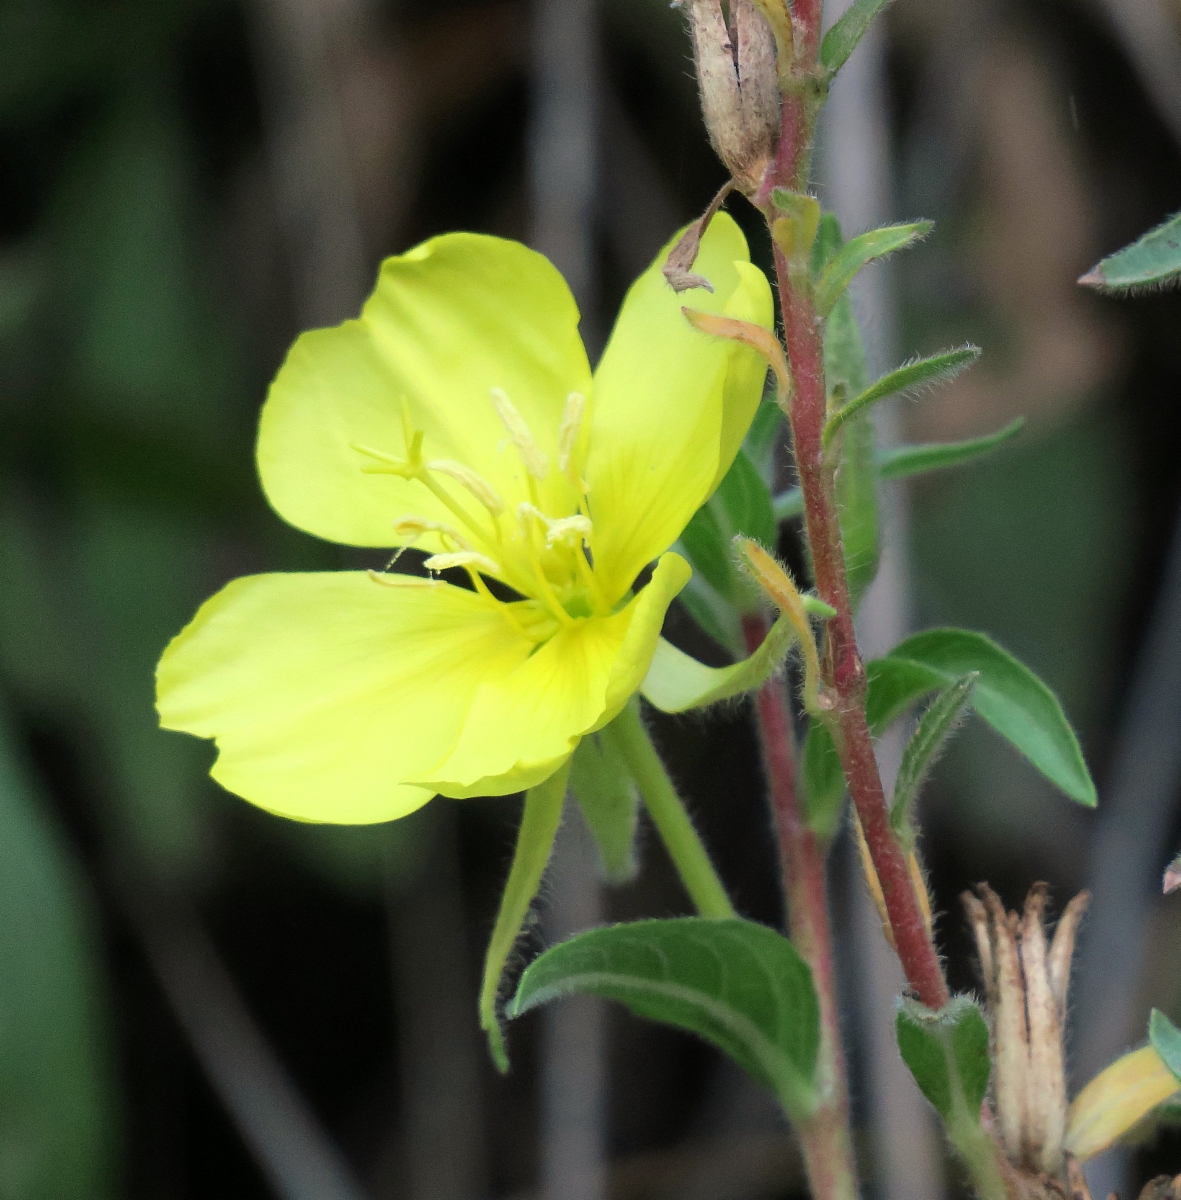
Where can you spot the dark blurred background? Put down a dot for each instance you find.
(200, 1000)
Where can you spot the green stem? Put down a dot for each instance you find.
(668, 814)
(539, 826)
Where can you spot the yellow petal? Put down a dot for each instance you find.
(671, 405)
(1117, 1099)
(448, 322)
(524, 724)
(326, 693)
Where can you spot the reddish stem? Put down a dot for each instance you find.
(844, 673)
(825, 1135)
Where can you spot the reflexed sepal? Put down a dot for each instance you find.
(739, 985)
(535, 840)
(676, 682)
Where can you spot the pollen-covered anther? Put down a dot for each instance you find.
(519, 433)
(569, 433)
(461, 558)
(572, 530)
(416, 527)
(476, 484)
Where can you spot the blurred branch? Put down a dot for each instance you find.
(298, 42)
(290, 1146)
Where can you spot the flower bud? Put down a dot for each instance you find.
(736, 73)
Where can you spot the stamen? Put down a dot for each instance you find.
(415, 527)
(461, 558)
(568, 436)
(574, 530)
(535, 461)
(479, 487)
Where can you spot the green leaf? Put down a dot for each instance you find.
(855, 254)
(1007, 695)
(739, 985)
(606, 793)
(761, 436)
(1152, 261)
(841, 40)
(935, 726)
(535, 841)
(713, 612)
(901, 461)
(920, 373)
(947, 1053)
(677, 682)
(57, 1094)
(822, 781)
(1166, 1041)
(856, 482)
(740, 506)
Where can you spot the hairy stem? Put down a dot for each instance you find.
(668, 814)
(825, 1137)
(843, 669)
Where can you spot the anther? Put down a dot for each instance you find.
(479, 487)
(535, 461)
(461, 558)
(568, 434)
(574, 529)
(415, 527)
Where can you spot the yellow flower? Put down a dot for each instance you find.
(458, 414)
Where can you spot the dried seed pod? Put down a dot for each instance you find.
(736, 74)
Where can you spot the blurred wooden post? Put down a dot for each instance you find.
(562, 180)
(855, 175)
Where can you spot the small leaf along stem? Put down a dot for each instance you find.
(825, 1137)
(843, 670)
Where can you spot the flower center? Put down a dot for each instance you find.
(547, 557)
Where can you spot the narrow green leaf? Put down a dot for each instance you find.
(1166, 1041)
(947, 1053)
(677, 682)
(846, 374)
(1007, 695)
(829, 240)
(930, 736)
(535, 841)
(736, 984)
(902, 461)
(841, 40)
(921, 373)
(1151, 262)
(822, 781)
(607, 796)
(855, 254)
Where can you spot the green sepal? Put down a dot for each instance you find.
(736, 984)
(856, 479)
(947, 1053)
(540, 819)
(855, 254)
(919, 373)
(677, 682)
(610, 803)
(842, 39)
(1007, 695)
(1166, 1041)
(1153, 261)
(930, 736)
(899, 462)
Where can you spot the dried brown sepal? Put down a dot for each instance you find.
(1062, 949)
(978, 918)
(678, 267)
(1162, 1188)
(1045, 1077)
(1172, 881)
